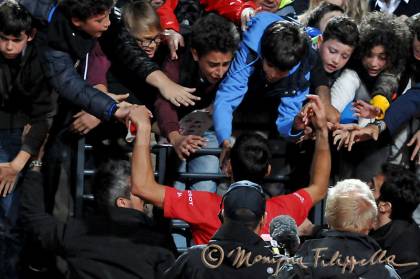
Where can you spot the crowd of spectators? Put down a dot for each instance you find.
(336, 83)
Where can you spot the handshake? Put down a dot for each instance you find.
(135, 117)
(311, 119)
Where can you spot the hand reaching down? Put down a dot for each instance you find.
(415, 142)
(174, 41)
(83, 123)
(178, 95)
(186, 145)
(365, 110)
(8, 177)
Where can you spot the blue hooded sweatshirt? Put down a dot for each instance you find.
(235, 85)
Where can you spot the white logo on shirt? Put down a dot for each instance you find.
(190, 198)
(179, 194)
(302, 199)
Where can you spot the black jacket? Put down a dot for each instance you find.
(121, 48)
(121, 243)
(64, 58)
(402, 239)
(229, 237)
(347, 244)
(25, 98)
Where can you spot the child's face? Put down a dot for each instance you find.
(334, 55)
(95, 25)
(375, 61)
(11, 46)
(416, 48)
(213, 65)
(149, 41)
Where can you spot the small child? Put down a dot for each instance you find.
(142, 23)
(337, 44)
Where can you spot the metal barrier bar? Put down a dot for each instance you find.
(80, 178)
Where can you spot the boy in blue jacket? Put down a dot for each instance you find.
(275, 67)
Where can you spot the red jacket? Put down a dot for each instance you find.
(230, 9)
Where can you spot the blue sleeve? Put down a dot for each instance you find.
(289, 107)
(402, 110)
(64, 78)
(231, 92)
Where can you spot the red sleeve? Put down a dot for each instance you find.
(194, 207)
(230, 9)
(297, 205)
(167, 16)
(98, 66)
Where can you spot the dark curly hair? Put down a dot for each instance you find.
(84, 9)
(402, 189)
(14, 19)
(214, 33)
(380, 29)
(342, 29)
(284, 44)
(319, 12)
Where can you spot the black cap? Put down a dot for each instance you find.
(244, 195)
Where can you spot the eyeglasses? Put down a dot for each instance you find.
(147, 42)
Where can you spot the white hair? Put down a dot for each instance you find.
(351, 206)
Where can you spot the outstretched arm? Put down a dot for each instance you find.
(143, 180)
(321, 164)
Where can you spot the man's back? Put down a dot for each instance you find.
(331, 257)
(120, 243)
(221, 258)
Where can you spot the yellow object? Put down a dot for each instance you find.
(284, 3)
(382, 103)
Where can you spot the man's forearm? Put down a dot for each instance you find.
(321, 164)
(142, 174)
(324, 94)
(141, 166)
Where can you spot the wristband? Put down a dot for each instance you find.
(380, 124)
(35, 163)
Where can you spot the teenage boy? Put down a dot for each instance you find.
(201, 65)
(70, 36)
(249, 161)
(270, 76)
(25, 99)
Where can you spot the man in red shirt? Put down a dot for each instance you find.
(249, 160)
